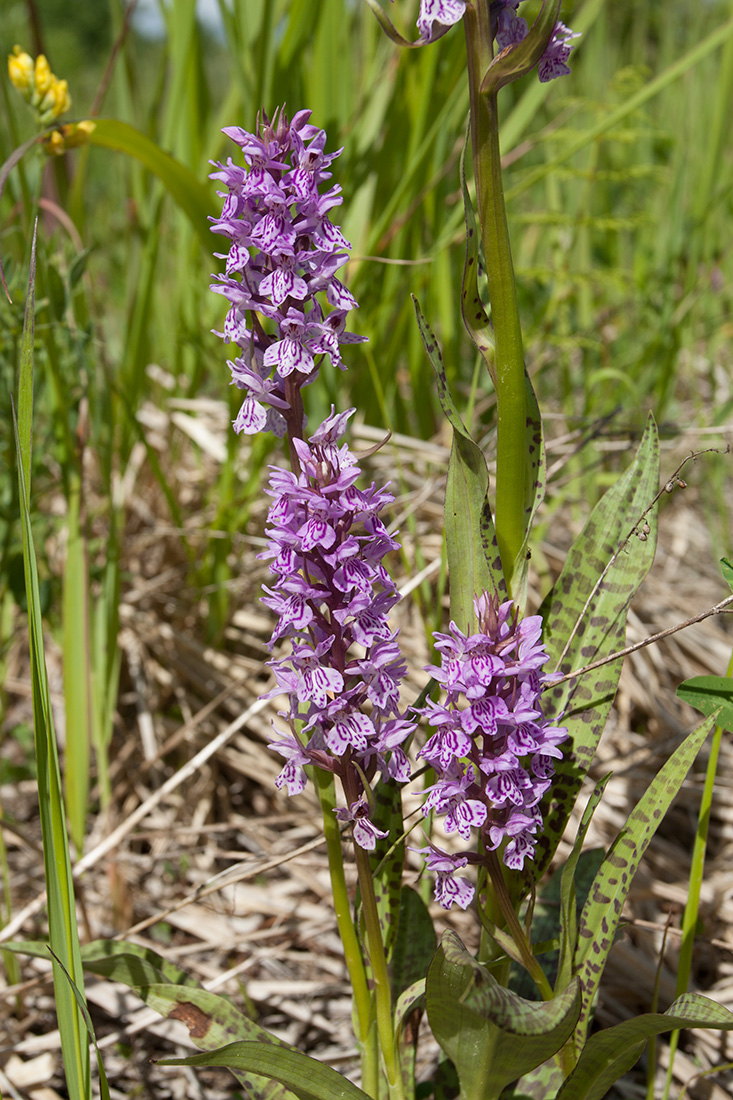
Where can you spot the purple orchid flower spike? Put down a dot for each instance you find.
(493, 751)
(332, 596)
(280, 277)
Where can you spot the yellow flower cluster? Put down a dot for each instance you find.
(68, 136)
(48, 95)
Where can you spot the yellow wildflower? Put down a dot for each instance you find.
(21, 70)
(55, 102)
(69, 136)
(44, 76)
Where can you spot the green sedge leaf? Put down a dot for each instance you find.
(62, 922)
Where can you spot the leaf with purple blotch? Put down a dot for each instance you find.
(585, 620)
(601, 913)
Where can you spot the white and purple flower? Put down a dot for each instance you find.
(284, 252)
(333, 595)
(493, 753)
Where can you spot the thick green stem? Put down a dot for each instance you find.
(367, 1035)
(508, 375)
(375, 946)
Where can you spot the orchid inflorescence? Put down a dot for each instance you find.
(281, 264)
(437, 16)
(492, 752)
(332, 596)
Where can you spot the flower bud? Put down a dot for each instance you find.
(21, 70)
(44, 78)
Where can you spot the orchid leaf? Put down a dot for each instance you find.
(601, 913)
(491, 1035)
(568, 890)
(132, 965)
(708, 694)
(414, 944)
(474, 562)
(212, 1020)
(612, 1052)
(302, 1076)
(414, 948)
(585, 621)
(387, 860)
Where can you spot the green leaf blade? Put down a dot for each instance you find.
(304, 1077)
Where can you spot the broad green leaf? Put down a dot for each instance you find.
(190, 194)
(585, 620)
(612, 1052)
(211, 1019)
(708, 694)
(474, 563)
(304, 1077)
(132, 965)
(602, 910)
(491, 1035)
(62, 921)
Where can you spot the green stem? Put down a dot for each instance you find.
(511, 398)
(366, 1036)
(692, 906)
(521, 942)
(378, 962)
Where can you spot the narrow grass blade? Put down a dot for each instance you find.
(77, 666)
(79, 997)
(63, 935)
